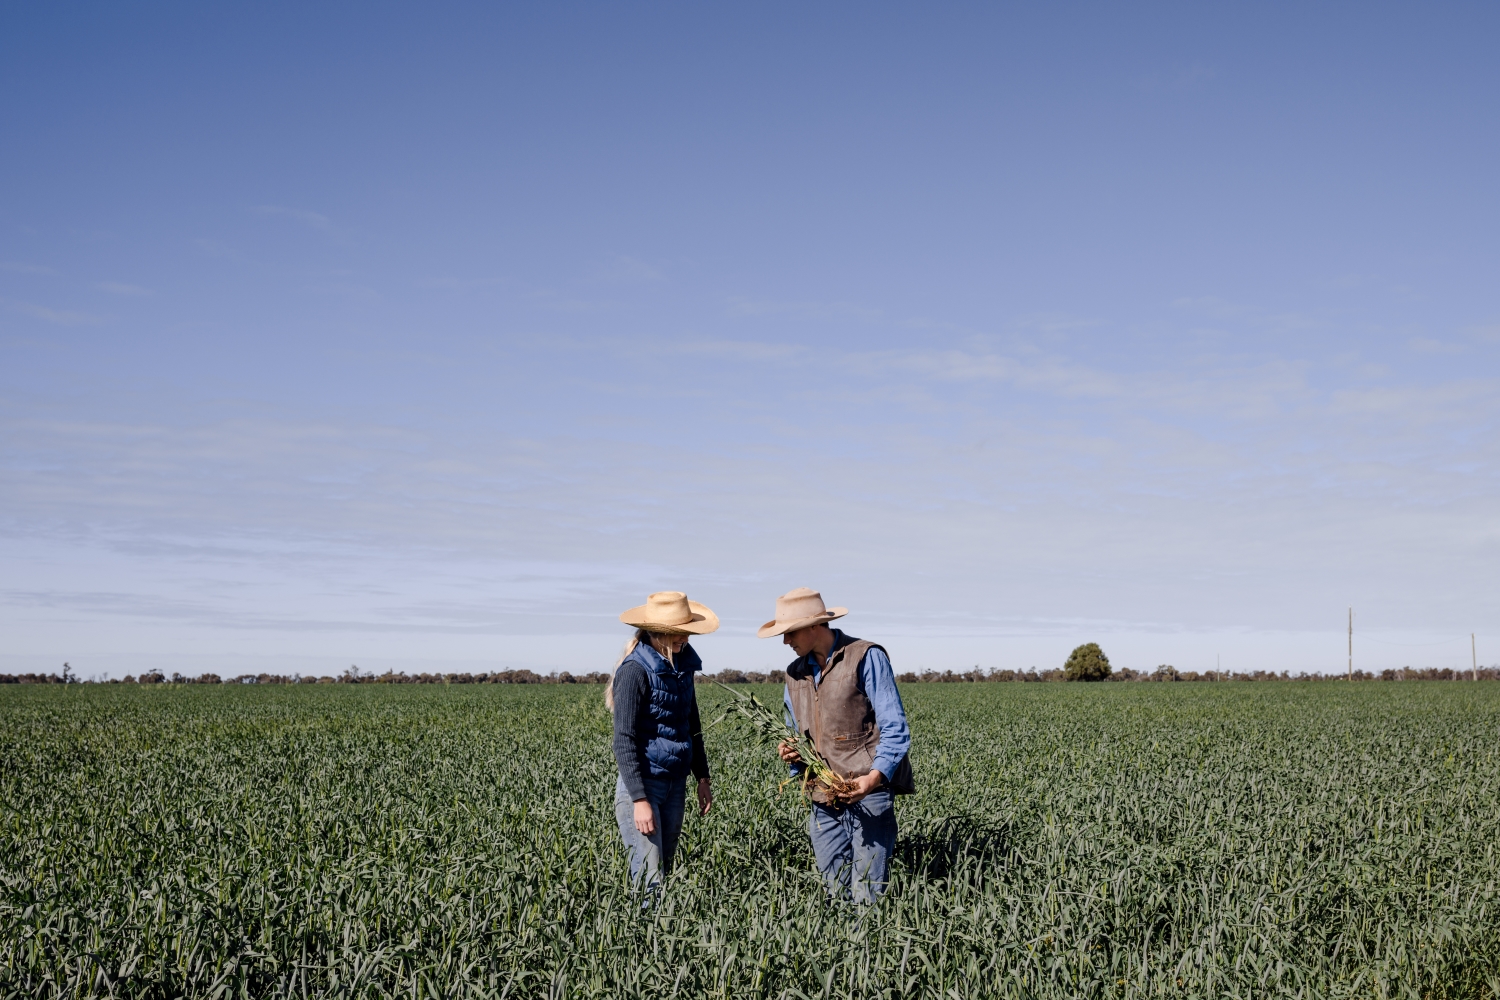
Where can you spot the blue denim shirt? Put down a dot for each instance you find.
(878, 682)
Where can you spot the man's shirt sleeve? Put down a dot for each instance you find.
(890, 716)
(791, 720)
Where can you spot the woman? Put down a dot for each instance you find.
(658, 737)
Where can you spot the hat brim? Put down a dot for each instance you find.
(704, 621)
(771, 628)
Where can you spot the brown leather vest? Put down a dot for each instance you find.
(838, 716)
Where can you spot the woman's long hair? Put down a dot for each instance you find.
(630, 644)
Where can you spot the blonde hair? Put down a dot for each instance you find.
(629, 647)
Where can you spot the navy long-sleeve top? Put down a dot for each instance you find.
(634, 728)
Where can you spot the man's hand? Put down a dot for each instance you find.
(705, 797)
(645, 817)
(863, 785)
(789, 753)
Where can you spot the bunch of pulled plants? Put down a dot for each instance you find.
(772, 729)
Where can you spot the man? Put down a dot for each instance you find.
(841, 692)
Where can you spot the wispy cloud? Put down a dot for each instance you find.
(739, 306)
(1212, 306)
(1187, 78)
(122, 288)
(453, 283)
(1050, 374)
(1431, 345)
(21, 267)
(58, 317)
(558, 301)
(737, 350)
(216, 248)
(1459, 401)
(627, 270)
(314, 219)
(432, 618)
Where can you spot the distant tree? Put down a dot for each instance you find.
(1087, 663)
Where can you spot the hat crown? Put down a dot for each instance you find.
(671, 611)
(804, 602)
(798, 609)
(668, 607)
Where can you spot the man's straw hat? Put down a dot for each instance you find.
(798, 609)
(670, 611)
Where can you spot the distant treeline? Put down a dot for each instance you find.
(1162, 673)
(1170, 673)
(347, 677)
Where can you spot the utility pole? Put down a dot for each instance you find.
(1473, 657)
(1351, 645)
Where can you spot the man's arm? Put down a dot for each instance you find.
(890, 715)
(791, 721)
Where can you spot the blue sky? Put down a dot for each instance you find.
(434, 338)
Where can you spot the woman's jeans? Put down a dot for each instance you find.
(651, 856)
(853, 845)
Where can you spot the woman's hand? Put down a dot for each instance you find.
(645, 817)
(705, 797)
(789, 753)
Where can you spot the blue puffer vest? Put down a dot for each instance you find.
(669, 751)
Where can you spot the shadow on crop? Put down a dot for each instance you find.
(955, 844)
(780, 848)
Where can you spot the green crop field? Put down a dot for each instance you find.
(1068, 840)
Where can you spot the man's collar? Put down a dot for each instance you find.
(840, 640)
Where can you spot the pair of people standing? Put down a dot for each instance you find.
(840, 691)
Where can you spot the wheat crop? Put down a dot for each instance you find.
(1067, 840)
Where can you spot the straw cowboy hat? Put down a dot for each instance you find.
(670, 611)
(798, 609)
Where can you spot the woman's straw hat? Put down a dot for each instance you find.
(798, 609)
(670, 611)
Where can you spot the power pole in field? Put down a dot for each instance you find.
(1473, 657)
(1351, 645)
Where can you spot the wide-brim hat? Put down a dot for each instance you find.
(798, 609)
(670, 611)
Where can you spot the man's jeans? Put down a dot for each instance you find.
(652, 856)
(853, 845)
